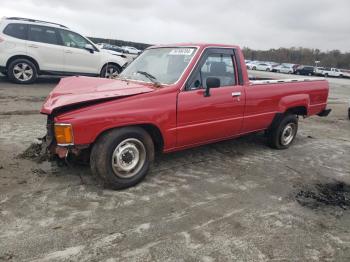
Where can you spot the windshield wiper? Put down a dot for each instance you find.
(150, 77)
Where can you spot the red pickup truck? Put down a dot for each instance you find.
(171, 98)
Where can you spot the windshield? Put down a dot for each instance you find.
(162, 65)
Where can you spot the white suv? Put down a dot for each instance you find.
(29, 48)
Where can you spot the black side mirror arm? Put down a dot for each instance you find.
(207, 92)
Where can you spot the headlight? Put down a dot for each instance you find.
(63, 134)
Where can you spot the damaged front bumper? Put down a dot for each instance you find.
(57, 151)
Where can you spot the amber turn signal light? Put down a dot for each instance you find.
(64, 134)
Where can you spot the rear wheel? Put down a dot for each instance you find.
(121, 157)
(22, 71)
(283, 131)
(110, 71)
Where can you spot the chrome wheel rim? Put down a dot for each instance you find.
(128, 158)
(288, 134)
(23, 72)
(111, 72)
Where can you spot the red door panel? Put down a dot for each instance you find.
(203, 119)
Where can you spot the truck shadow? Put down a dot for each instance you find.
(228, 150)
(215, 151)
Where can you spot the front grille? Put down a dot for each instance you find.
(50, 140)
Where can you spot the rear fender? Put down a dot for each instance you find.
(298, 100)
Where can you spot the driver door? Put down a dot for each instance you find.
(202, 119)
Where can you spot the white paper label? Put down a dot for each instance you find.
(181, 51)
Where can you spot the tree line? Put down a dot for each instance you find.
(300, 55)
(294, 55)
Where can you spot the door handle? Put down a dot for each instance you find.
(68, 52)
(235, 94)
(33, 46)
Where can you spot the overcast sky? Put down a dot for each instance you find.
(258, 24)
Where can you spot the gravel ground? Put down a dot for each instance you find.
(233, 200)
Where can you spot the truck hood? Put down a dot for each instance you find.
(82, 90)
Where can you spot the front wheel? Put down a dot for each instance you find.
(283, 131)
(110, 71)
(121, 157)
(22, 71)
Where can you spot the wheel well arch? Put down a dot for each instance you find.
(151, 129)
(297, 110)
(12, 58)
(111, 63)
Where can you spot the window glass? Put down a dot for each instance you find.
(165, 64)
(42, 34)
(72, 39)
(16, 30)
(216, 65)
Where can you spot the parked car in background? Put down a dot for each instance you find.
(111, 47)
(131, 50)
(116, 50)
(251, 64)
(30, 48)
(346, 73)
(262, 67)
(305, 70)
(334, 72)
(284, 68)
(318, 71)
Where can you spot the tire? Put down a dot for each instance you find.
(110, 70)
(283, 131)
(298, 73)
(254, 68)
(129, 146)
(268, 69)
(22, 71)
(325, 75)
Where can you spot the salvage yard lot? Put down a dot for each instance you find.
(233, 200)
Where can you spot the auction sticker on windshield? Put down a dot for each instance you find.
(181, 51)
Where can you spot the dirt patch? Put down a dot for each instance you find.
(35, 152)
(332, 194)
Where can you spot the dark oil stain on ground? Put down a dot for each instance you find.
(335, 194)
(34, 152)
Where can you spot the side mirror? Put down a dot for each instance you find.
(90, 48)
(212, 82)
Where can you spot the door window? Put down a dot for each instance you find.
(216, 65)
(16, 30)
(43, 34)
(71, 39)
